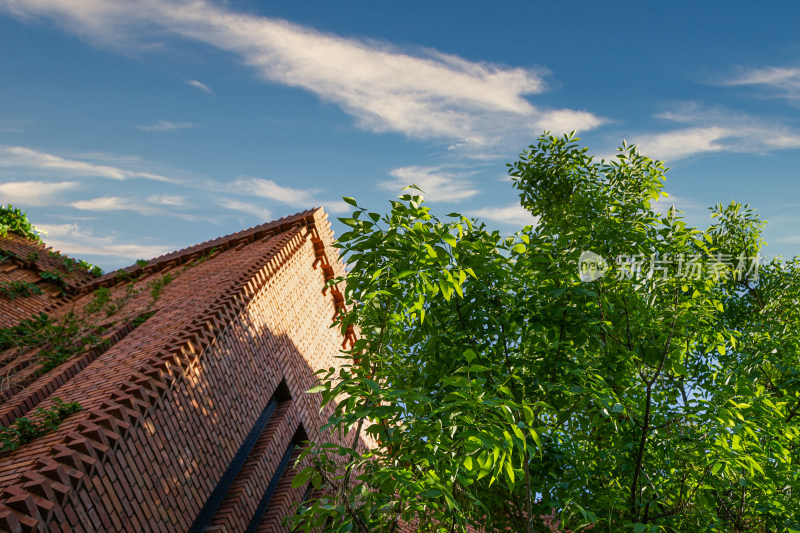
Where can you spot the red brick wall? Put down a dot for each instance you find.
(168, 406)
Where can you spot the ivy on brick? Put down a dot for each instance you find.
(70, 263)
(141, 319)
(205, 257)
(12, 289)
(157, 285)
(55, 278)
(24, 430)
(58, 340)
(29, 332)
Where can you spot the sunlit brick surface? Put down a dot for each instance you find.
(167, 404)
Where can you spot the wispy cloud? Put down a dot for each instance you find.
(263, 188)
(113, 203)
(76, 241)
(200, 85)
(715, 130)
(169, 200)
(337, 207)
(258, 211)
(784, 80)
(21, 157)
(513, 214)
(34, 193)
(438, 185)
(677, 144)
(269, 189)
(169, 206)
(166, 125)
(422, 93)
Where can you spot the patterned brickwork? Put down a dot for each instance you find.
(168, 401)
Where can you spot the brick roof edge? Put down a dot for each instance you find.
(311, 217)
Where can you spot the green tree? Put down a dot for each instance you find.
(503, 391)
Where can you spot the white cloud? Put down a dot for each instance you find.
(337, 207)
(715, 130)
(116, 250)
(269, 189)
(677, 144)
(160, 205)
(423, 93)
(200, 85)
(77, 242)
(786, 80)
(34, 193)
(166, 125)
(260, 212)
(169, 200)
(263, 188)
(113, 203)
(437, 185)
(512, 214)
(28, 159)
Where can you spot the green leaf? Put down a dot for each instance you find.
(510, 472)
(302, 477)
(535, 437)
(350, 201)
(469, 355)
(431, 493)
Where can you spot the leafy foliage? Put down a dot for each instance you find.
(55, 278)
(141, 319)
(101, 300)
(498, 388)
(25, 430)
(14, 220)
(70, 264)
(29, 332)
(57, 340)
(205, 257)
(157, 285)
(12, 289)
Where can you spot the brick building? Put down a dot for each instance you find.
(190, 371)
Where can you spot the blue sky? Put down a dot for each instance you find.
(132, 128)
